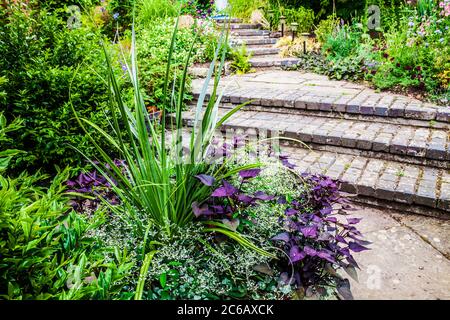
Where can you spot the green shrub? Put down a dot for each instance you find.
(5, 128)
(243, 9)
(302, 16)
(343, 42)
(326, 28)
(47, 67)
(153, 52)
(45, 249)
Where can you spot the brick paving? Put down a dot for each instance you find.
(400, 140)
(310, 92)
(380, 145)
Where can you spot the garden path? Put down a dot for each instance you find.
(389, 150)
(409, 256)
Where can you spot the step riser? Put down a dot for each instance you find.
(338, 115)
(272, 61)
(237, 26)
(228, 20)
(249, 33)
(302, 101)
(350, 145)
(255, 42)
(263, 52)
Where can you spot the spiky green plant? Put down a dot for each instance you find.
(155, 187)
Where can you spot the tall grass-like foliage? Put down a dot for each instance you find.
(149, 10)
(243, 8)
(155, 186)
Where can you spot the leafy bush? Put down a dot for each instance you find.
(325, 28)
(343, 42)
(7, 155)
(153, 52)
(46, 251)
(198, 8)
(303, 17)
(47, 67)
(414, 53)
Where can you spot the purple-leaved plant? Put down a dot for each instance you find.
(94, 185)
(314, 239)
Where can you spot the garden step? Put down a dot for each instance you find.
(290, 91)
(272, 61)
(228, 20)
(261, 51)
(413, 188)
(401, 143)
(380, 179)
(249, 33)
(234, 26)
(254, 41)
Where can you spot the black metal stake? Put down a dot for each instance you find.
(304, 47)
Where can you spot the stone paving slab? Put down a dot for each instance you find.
(402, 264)
(314, 92)
(254, 41)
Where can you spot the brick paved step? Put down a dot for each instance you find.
(338, 101)
(413, 188)
(249, 33)
(262, 51)
(254, 41)
(234, 26)
(380, 179)
(272, 61)
(228, 20)
(402, 143)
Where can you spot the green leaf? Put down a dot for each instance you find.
(163, 280)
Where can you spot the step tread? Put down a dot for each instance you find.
(352, 100)
(400, 140)
(235, 26)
